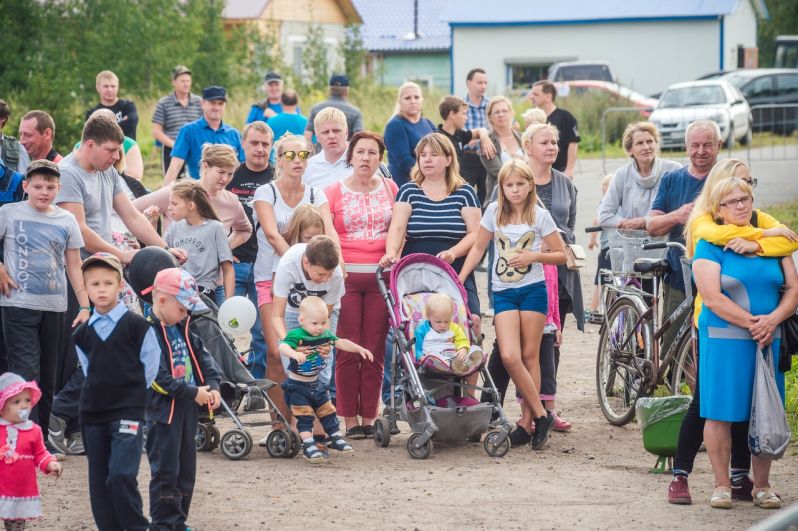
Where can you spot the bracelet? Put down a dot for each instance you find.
(85, 308)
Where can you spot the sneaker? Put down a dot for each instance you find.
(55, 434)
(721, 498)
(368, 431)
(55, 452)
(74, 444)
(679, 491)
(313, 453)
(339, 444)
(474, 359)
(560, 424)
(741, 489)
(519, 437)
(542, 427)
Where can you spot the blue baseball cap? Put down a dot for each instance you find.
(214, 93)
(181, 285)
(339, 80)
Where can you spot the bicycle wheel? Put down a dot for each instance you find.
(624, 352)
(684, 368)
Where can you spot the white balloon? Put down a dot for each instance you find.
(237, 315)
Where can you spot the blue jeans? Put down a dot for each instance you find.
(326, 376)
(245, 287)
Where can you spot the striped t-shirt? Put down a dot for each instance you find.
(437, 220)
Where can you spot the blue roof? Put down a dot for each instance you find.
(477, 12)
(387, 25)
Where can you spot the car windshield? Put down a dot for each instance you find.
(580, 72)
(692, 96)
(737, 80)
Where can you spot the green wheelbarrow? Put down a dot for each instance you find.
(660, 420)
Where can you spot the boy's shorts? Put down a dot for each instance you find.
(307, 398)
(531, 298)
(264, 289)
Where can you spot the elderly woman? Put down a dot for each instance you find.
(404, 130)
(506, 140)
(360, 207)
(742, 309)
(634, 185)
(764, 236)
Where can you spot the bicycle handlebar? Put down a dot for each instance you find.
(663, 245)
(593, 229)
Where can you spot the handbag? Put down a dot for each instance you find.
(768, 431)
(575, 256)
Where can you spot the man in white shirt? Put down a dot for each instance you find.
(329, 165)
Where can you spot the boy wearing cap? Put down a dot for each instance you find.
(41, 241)
(119, 354)
(187, 376)
(174, 111)
(208, 129)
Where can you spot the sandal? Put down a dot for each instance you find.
(721, 498)
(355, 432)
(560, 424)
(313, 453)
(766, 498)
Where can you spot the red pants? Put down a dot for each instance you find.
(364, 320)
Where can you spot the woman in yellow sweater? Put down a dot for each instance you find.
(767, 238)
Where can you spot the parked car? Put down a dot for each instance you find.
(644, 103)
(715, 100)
(581, 70)
(776, 88)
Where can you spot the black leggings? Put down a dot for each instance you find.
(501, 378)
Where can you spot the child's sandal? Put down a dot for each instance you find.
(313, 453)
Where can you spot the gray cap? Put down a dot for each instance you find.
(42, 166)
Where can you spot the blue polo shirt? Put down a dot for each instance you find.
(193, 135)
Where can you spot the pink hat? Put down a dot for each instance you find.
(13, 384)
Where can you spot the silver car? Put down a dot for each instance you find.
(714, 99)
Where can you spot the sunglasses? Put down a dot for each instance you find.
(752, 182)
(291, 155)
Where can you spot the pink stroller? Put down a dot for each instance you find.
(435, 401)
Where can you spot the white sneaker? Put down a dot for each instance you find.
(262, 442)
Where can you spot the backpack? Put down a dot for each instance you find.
(10, 185)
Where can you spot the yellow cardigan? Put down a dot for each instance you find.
(705, 228)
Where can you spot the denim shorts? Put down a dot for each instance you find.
(530, 298)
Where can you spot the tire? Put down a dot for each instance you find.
(418, 452)
(236, 444)
(204, 438)
(279, 443)
(296, 445)
(382, 432)
(620, 380)
(683, 370)
(216, 437)
(497, 444)
(746, 140)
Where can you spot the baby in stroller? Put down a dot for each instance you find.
(443, 344)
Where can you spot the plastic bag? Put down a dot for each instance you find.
(649, 410)
(768, 432)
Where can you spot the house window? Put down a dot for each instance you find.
(424, 82)
(522, 76)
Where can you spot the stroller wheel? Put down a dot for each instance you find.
(204, 438)
(497, 444)
(296, 445)
(417, 451)
(382, 432)
(279, 443)
(236, 444)
(216, 437)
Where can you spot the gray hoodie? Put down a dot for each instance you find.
(630, 195)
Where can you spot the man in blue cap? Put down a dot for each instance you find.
(271, 105)
(339, 93)
(209, 129)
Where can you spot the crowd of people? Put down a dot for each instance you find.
(298, 214)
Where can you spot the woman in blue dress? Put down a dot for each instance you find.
(743, 307)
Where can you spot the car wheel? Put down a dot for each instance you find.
(746, 139)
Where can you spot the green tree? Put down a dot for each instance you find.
(315, 62)
(783, 21)
(353, 52)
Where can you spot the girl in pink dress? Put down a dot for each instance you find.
(22, 451)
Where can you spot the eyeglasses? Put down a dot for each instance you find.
(752, 182)
(291, 155)
(745, 201)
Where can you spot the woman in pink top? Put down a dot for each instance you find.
(217, 165)
(361, 208)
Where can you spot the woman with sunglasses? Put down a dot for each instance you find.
(274, 204)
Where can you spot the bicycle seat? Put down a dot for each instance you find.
(651, 266)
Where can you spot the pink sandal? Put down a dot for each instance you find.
(560, 424)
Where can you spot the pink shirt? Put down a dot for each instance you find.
(362, 220)
(552, 289)
(226, 204)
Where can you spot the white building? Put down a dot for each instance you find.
(649, 44)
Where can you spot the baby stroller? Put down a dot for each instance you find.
(238, 388)
(240, 392)
(427, 388)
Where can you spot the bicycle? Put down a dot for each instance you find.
(628, 362)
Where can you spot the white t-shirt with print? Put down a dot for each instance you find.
(509, 239)
(291, 282)
(266, 260)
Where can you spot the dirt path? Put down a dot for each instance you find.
(594, 477)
